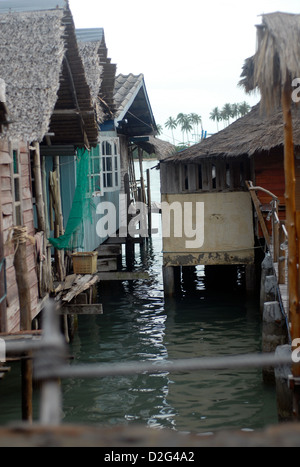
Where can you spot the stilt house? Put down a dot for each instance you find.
(50, 105)
(214, 172)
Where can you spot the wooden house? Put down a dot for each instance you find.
(50, 105)
(214, 172)
(124, 113)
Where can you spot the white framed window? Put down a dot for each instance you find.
(110, 163)
(95, 172)
(16, 187)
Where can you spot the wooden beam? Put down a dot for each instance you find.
(259, 214)
(94, 309)
(123, 276)
(291, 219)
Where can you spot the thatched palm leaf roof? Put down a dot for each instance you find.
(247, 136)
(31, 55)
(100, 71)
(162, 149)
(94, 70)
(45, 78)
(277, 59)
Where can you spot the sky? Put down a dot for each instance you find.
(191, 52)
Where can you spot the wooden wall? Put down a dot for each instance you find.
(6, 199)
(269, 174)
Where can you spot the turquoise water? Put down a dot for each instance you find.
(138, 324)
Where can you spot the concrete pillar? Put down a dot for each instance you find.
(250, 278)
(274, 334)
(266, 270)
(284, 394)
(169, 280)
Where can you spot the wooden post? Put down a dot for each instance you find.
(47, 247)
(3, 319)
(58, 225)
(275, 232)
(149, 203)
(129, 240)
(40, 207)
(39, 188)
(291, 223)
(281, 258)
(143, 197)
(20, 264)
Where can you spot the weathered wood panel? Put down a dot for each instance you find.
(269, 174)
(7, 202)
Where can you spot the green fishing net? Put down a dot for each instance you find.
(73, 238)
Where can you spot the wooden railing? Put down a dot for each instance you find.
(277, 240)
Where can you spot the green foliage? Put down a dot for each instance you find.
(229, 111)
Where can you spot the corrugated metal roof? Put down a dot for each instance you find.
(30, 5)
(90, 35)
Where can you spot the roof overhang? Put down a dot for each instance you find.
(134, 116)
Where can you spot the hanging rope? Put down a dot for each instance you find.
(18, 235)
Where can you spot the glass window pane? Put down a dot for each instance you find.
(116, 163)
(104, 181)
(108, 149)
(109, 167)
(116, 179)
(16, 162)
(97, 183)
(96, 165)
(109, 180)
(17, 189)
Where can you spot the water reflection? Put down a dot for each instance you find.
(139, 325)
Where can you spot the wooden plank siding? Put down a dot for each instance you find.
(269, 174)
(8, 221)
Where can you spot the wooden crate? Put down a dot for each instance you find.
(85, 262)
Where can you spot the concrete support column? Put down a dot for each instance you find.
(274, 334)
(169, 280)
(250, 278)
(266, 270)
(284, 394)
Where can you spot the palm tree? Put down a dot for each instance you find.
(215, 115)
(181, 118)
(244, 108)
(235, 112)
(196, 120)
(226, 113)
(187, 126)
(171, 124)
(159, 129)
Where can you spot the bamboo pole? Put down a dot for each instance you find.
(58, 224)
(291, 223)
(40, 207)
(39, 188)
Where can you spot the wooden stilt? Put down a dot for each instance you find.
(149, 203)
(41, 219)
(291, 222)
(129, 247)
(20, 264)
(3, 320)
